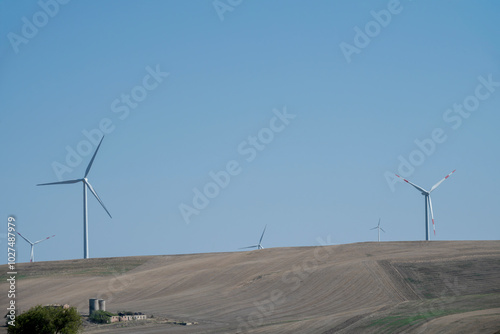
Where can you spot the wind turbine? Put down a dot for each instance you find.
(259, 245)
(378, 228)
(32, 256)
(86, 184)
(428, 203)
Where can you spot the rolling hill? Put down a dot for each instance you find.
(411, 287)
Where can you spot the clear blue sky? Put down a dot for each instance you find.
(322, 174)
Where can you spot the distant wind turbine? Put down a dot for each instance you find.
(428, 203)
(378, 228)
(259, 245)
(32, 256)
(86, 184)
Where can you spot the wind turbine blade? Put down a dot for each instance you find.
(417, 187)
(376, 227)
(22, 236)
(437, 184)
(378, 222)
(249, 247)
(382, 229)
(36, 242)
(432, 215)
(62, 182)
(262, 236)
(93, 157)
(97, 196)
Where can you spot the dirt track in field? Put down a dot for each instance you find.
(366, 287)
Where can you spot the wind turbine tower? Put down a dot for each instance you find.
(32, 253)
(378, 228)
(86, 184)
(428, 203)
(259, 245)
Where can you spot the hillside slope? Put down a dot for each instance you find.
(369, 287)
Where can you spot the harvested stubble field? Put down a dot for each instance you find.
(389, 287)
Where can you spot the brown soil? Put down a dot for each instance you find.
(414, 287)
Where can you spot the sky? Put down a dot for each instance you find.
(222, 117)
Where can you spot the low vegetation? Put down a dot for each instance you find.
(398, 321)
(101, 317)
(412, 313)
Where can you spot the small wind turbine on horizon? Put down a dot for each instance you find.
(86, 184)
(428, 203)
(378, 228)
(32, 253)
(259, 245)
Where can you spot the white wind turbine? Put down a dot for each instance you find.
(428, 203)
(259, 245)
(86, 184)
(378, 228)
(32, 256)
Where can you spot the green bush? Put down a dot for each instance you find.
(47, 320)
(101, 317)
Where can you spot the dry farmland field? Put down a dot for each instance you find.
(387, 287)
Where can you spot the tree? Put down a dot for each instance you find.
(47, 320)
(67, 321)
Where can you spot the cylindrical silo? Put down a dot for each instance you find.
(102, 305)
(93, 305)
